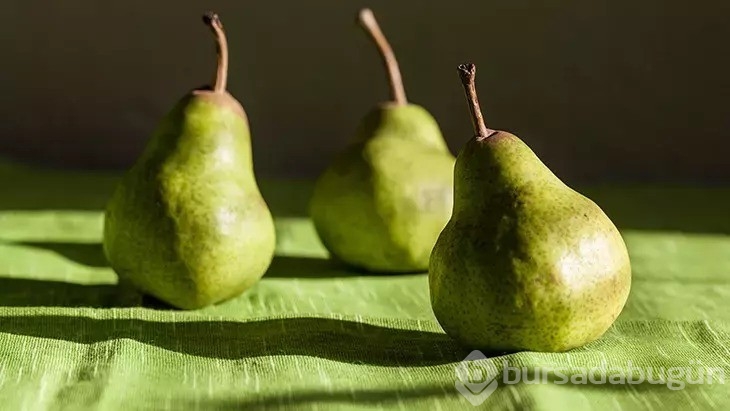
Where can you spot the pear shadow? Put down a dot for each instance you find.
(332, 339)
(88, 254)
(307, 267)
(21, 292)
(377, 273)
(311, 267)
(361, 396)
(383, 273)
(17, 292)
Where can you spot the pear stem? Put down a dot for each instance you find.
(367, 20)
(212, 20)
(467, 73)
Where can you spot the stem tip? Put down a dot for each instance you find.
(366, 17)
(211, 18)
(467, 73)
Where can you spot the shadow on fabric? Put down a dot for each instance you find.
(333, 339)
(307, 267)
(311, 267)
(20, 292)
(361, 396)
(92, 255)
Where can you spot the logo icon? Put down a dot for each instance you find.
(476, 375)
(476, 378)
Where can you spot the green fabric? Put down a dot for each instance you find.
(313, 336)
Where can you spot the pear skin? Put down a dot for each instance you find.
(525, 262)
(383, 202)
(187, 223)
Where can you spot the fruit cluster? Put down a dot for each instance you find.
(517, 260)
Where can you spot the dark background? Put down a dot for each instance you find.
(602, 90)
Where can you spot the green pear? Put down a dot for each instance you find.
(187, 223)
(383, 202)
(526, 262)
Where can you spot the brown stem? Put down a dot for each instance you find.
(366, 18)
(467, 72)
(221, 77)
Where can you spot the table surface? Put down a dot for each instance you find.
(312, 335)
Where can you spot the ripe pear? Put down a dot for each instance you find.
(187, 223)
(383, 202)
(526, 262)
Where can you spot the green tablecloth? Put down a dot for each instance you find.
(313, 336)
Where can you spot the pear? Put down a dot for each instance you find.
(187, 223)
(383, 201)
(526, 262)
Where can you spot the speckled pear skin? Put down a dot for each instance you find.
(383, 202)
(187, 223)
(525, 263)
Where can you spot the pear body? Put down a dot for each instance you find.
(383, 202)
(187, 223)
(526, 262)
